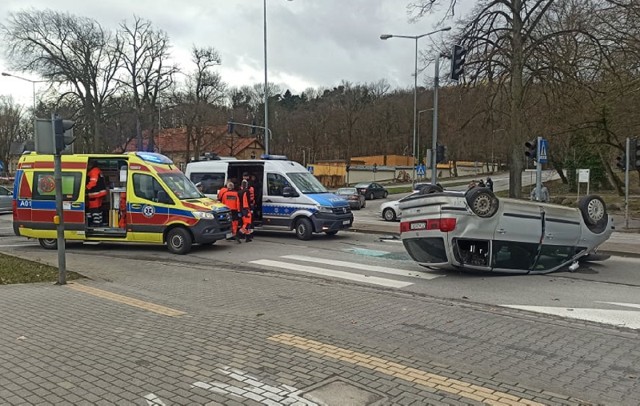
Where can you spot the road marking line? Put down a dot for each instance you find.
(126, 300)
(633, 305)
(336, 274)
(381, 365)
(363, 267)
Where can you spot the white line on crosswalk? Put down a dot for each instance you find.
(335, 274)
(362, 267)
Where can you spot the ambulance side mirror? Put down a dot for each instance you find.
(164, 198)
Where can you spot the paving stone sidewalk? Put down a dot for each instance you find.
(247, 338)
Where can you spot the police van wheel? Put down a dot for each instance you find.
(179, 241)
(48, 243)
(304, 229)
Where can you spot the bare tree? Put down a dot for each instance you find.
(71, 50)
(144, 54)
(12, 127)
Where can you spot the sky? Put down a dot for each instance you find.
(310, 43)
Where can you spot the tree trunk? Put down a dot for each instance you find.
(517, 114)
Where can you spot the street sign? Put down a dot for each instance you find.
(542, 154)
(420, 170)
(583, 175)
(310, 169)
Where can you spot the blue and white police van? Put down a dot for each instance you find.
(288, 197)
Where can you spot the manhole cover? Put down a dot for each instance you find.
(340, 393)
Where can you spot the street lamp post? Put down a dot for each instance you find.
(33, 84)
(266, 84)
(418, 130)
(415, 84)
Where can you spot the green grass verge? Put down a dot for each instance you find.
(18, 270)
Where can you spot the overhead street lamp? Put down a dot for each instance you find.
(415, 85)
(33, 83)
(266, 84)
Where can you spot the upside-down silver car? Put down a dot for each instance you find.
(475, 230)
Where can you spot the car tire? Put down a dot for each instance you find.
(389, 214)
(371, 196)
(48, 243)
(364, 203)
(594, 213)
(482, 201)
(384, 196)
(304, 229)
(179, 241)
(428, 189)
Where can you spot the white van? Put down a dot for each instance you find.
(287, 196)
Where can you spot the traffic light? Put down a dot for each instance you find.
(63, 134)
(531, 149)
(457, 61)
(230, 126)
(621, 162)
(634, 154)
(441, 151)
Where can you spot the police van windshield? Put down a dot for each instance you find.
(307, 183)
(180, 185)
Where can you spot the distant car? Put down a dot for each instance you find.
(355, 199)
(390, 211)
(6, 199)
(372, 190)
(474, 230)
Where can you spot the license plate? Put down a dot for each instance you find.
(418, 226)
(346, 222)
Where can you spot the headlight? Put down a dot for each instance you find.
(324, 209)
(203, 215)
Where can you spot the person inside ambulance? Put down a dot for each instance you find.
(96, 192)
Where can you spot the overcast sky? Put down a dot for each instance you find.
(311, 43)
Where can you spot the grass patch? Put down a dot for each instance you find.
(18, 270)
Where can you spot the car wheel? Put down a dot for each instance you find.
(331, 233)
(427, 189)
(371, 196)
(482, 201)
(304, 229)
(389, 215)
(384, 196)
(594, 213)
(179, 241)
(48, 243)
(364, 203)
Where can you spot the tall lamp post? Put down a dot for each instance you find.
(33, 83)
(418, 130)
(266, 84)
(415, 84)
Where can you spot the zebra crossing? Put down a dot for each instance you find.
(357, 271)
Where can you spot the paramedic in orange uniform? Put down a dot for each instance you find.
(245, 211)
(96, 192)
(229, 197)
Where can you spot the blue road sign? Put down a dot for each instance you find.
(543, 151)
(1, 166)
(310, 169)
(420, 170)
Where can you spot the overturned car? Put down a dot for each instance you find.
(474, 230)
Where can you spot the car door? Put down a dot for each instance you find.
(377, 190)
(517, 236)
(5, 199)
(146, 216)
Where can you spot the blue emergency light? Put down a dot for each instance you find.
(154, 158)
(268, 157)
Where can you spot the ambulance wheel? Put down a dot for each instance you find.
(304, 229)
(179, 241)
(48, 243)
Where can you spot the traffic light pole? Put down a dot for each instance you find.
(59, 219)
(434, 141)
(538, 170)
(626, 183)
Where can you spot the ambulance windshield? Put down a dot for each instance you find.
(181, 186)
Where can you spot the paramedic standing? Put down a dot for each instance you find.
(245, 211)
(229, 197)
(96, 192)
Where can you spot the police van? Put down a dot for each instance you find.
(288, 197)
(149, 200)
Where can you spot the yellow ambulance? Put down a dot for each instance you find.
(148, 200)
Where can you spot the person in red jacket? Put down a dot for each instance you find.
(229, 197)
(246, 214)
(96, 192)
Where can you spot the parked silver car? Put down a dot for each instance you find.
(475, 230)
(6, 199)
